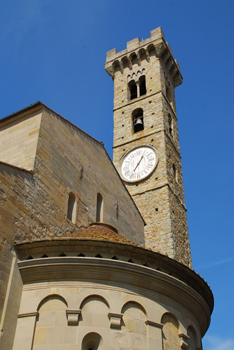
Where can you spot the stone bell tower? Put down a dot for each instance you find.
(146, 143)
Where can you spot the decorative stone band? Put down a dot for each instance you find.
(28, 314)
(183, 341)
(73, 317)
(115, 320)
(166, 279)
(153, 324)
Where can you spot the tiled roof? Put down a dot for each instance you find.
(107, 238)
(100, 233)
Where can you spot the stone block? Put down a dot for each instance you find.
(133, 44)
(40, 337)
(56, 335)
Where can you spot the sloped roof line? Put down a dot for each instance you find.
(17, 167)
(40, 104)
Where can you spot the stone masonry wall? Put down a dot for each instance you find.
(180, 230)
(26, 208)
(177, 202)
(18, 140)
(68, 160)
(10, 294)
(16, 186)
(155, 208)
(160, 197)
(17, 190)
(33, 204)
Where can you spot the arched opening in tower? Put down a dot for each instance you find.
(142, 85)
(138, 120)
(133, 89)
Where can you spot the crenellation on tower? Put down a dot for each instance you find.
(144, 50)
(145, 75)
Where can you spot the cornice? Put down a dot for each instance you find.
(133, 277)
(109, 251)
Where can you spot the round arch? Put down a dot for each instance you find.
(50, 297)
(93, 296)
(132, 303)
(92, 341)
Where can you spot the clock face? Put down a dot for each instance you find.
(139, 163)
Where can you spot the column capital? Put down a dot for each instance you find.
(115, 320)
(73, 317)
(154, 324)
(183, 340)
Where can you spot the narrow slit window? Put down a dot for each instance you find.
(71, 207)
(133, 89)
(174, 172)
(170, 124)
(142, 85)
(134, 59)
(99, 208)
(169, 93)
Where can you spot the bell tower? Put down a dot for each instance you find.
(146, 144)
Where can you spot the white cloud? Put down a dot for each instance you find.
(216, 343)
(216, 263)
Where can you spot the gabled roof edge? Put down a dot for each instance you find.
(42, 105)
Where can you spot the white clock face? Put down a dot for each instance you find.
(139, 163)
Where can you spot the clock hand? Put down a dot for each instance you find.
(139, 161)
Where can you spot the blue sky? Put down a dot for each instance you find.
(54, 51)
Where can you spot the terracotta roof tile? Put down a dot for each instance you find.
(100, 233)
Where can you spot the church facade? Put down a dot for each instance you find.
(92, 255)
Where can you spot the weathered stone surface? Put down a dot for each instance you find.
(49, 158)
(18, 141)
(34, 205)
(154, 299)
(160, 197)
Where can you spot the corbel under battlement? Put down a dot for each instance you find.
(137, 51)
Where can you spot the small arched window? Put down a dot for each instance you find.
(92, 341)
(71, 207)
(170, 124)
(174, 172)
(138, 120)
(142, 85)
(169, 93)
(170, 332)
(134, 59)
(116, 67)
(99, 208)
(133, 89)
(192, 341)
